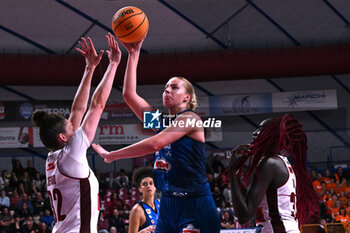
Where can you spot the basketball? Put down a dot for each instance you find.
(130, 24)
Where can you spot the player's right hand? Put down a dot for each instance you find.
(102, 152)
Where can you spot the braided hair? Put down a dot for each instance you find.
(285, 136)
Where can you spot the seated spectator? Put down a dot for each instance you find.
(227, 193)
(29, 226)
(339, 176)
(116, 221)
(211, 181)
(123, 179)
(6, 220)
(347, 189)
(39, 204)
(24, 211)
(39, 182)
(342, 217)
(339, 187)
(331, 184)
(102, 224)
(4, 200)
(112, 182)
(227, 221)
(47, 218)
(16, 226)
(27, 201)
(43, 228)
(342, 198)
(31, 171)
(323, 189)
(335, 209)
(17, 168)
(317, 182)
(14, 200)
(320, 228)
(217, 196)
(13, 181)
(113, 230)
(4, 179)
(327, 176)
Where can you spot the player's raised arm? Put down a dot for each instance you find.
(103, 90)
(92, 59)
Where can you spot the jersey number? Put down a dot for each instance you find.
(292, 200)
(56, 195)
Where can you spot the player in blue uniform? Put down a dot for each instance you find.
(144, 215)
(179, 168)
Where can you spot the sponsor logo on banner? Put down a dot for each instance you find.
(304, 100)
(2, 111)
(14, 137)
(240, 104)
(26, 110)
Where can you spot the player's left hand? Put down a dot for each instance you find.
(102, 152)
(237, 156)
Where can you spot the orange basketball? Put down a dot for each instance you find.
(130, 24)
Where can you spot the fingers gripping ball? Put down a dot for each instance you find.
(130, 24)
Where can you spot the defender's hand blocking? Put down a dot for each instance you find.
(102, 152)
(89, 52)
(114, 54)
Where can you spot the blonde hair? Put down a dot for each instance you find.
(192, 103)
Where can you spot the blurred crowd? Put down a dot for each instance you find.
(25, 205)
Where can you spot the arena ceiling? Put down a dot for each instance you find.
(206, 39)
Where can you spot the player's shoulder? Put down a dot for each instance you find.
(137, 209)
(272, 163)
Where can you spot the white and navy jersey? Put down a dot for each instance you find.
(278, 208)
(73, 192)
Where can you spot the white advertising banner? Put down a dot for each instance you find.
(14, 137)
(304, 100)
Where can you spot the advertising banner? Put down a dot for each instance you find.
(15, 137)
(304, 100)
(240, 104)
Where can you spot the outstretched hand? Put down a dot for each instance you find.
(89, 52)
(114, 53)
(237, 156)
(102, 152)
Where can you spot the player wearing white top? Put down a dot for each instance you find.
(279, 205)
(273, 182)
(71, 184)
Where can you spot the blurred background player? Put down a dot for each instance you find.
(71, 184)
(144, 215)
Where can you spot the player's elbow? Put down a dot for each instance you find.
(155, 145)
(95, 104)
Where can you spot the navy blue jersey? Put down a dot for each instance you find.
(179, 168)
(151, 214)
